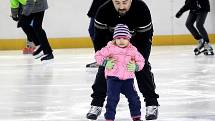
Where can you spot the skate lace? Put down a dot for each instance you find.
(200, 44)
(95, 110)
(208, 47)
(151, 110)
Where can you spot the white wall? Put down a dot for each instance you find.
(163, 14)
(67, 18)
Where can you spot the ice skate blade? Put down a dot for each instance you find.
(38, 55)
(199, 52)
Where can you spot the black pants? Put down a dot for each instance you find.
(35, 32)
(145, 79)
(199, 31)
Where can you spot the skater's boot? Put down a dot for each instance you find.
(208, 49)
(198, 48)
(94, 112)
(151, 112)
(47, 57)
(38, 52)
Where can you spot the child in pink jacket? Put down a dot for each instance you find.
(121, 59)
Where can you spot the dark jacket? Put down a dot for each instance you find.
(95, 6)
(138, 19)
(196, 6)
(204, 5)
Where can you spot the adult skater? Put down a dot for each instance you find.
(136, 15)
(34, 11)
(198, 13)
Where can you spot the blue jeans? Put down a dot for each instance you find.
(115, 86)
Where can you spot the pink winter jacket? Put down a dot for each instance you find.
(122, 56)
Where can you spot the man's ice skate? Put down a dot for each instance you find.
(198, 50)
(38, 52)
(151, 112)
(208, 50)
(94, 112)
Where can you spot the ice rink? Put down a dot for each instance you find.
(60, 90)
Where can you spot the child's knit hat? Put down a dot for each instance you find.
(121, 31)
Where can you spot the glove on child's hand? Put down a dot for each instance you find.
(132, 66)
(109, 63)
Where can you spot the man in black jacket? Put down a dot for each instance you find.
(91, 14)
(198, 12)
(136, 15)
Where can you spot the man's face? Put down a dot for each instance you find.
(122, 6)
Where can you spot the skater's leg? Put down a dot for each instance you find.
(200, 25)
(113, 96)
(128, 89)
(191, 19)
(41, 35)
(145, 78)
(99, 88)
(99, 94)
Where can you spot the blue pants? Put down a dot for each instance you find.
(115, 86)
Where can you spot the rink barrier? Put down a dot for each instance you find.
(85, 42)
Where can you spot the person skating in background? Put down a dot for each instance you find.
(16, 11)
(121, 59)
(91, 14)
(136, 15)
(34, 11)
(198, 13)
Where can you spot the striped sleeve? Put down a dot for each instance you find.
(144, 28)
(100, 25)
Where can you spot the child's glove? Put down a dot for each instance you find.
(132, 66)
(109, 63)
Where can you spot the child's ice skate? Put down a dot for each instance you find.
(198, 50)
(208, 50)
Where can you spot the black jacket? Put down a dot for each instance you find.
(204, 5)
(138, 19)
(95, 6)
(196, 6)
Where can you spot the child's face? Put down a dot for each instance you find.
(121, 42)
